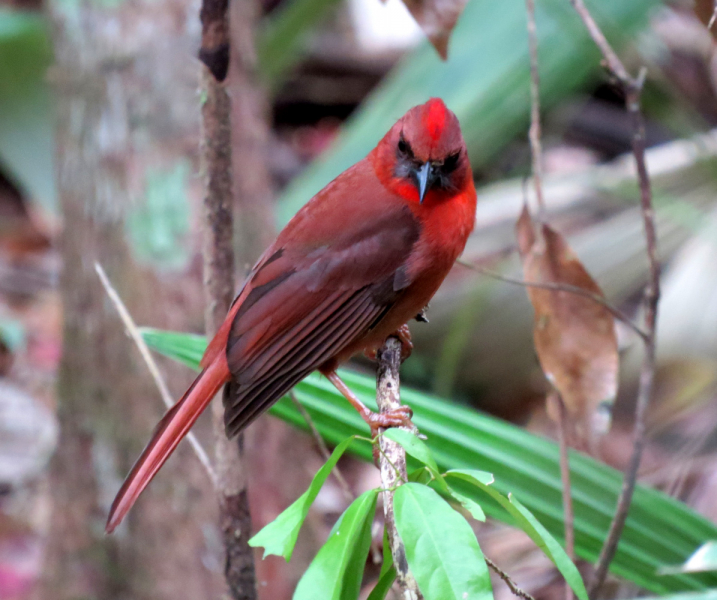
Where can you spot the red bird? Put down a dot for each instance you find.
(354, 265)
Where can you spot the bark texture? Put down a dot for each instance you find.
(111, 78)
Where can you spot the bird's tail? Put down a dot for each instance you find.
(168, 433)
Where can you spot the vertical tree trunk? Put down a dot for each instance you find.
(110, 79)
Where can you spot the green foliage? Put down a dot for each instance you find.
(659, 531)
(279, 536)
(704, 559)
(337, 570)
(283, 35)
(26, 128)
(441, 548)
(528, 523)
(387, 575)
(414, 447)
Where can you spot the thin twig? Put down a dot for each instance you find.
(520, 593)
(151, 365)
(561, 287)
(632, 88)
(392, 462)
(323, 448)
(568, 518)
(713, 18)
(536, 149)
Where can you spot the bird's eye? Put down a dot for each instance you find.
(404, 148)
(451, 162)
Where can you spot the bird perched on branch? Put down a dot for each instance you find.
(354, 265)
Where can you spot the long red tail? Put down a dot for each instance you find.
(169, 432)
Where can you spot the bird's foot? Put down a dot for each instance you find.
(403, 334)
(396, 417)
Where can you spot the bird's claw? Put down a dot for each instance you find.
(396, 417)
(403, 333)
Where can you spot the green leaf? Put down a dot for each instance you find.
(530, 525)
(413, 446)
(417, 449)
(470, 505)
(383, 585)
(387, 575)
(704, 559)
(441, 548)
(283, 35)
(659, 530)
(26, 115)
(337, 570)
(279, 536)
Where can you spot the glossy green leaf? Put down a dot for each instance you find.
(469, 504)
(441, 548)
(387, 575)
(279, 536)
(337, 570)
(530, 525)
(659, 530)
(414, 447)
(384, 584)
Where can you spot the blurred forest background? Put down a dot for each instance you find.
(113, 85)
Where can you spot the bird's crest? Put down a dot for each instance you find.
(434, 117)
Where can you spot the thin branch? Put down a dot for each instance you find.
(151, 365)
(568, 517)
(713, 18)
(234, 516)
(392, 462)
(520, 593)
(632, 88)
(323, 448)
(561, 287)
(536, 149)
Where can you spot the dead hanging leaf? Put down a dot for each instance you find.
(574, 335)
(437, 18)
(706, 11)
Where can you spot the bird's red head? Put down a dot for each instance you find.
(423, 157)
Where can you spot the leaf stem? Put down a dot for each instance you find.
(520, 593)
(561, 287)
(323, 448)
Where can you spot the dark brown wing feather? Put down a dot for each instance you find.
(308, 302)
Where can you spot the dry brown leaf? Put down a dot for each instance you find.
(705, 11)
(437, 18)
(574, 335)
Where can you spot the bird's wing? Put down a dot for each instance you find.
(311, 297)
